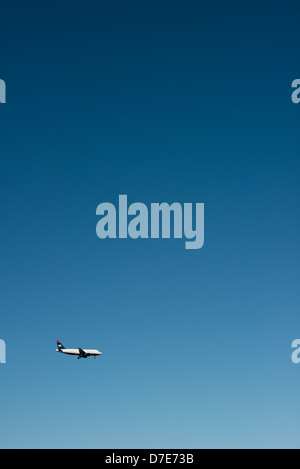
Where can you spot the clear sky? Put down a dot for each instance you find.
(165, 101)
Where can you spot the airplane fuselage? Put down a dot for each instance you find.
(81, 353)
(75, 351)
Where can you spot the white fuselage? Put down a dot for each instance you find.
(75, 351)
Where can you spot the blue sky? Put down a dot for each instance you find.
(162, 101)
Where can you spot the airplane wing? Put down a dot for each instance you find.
(82, 352)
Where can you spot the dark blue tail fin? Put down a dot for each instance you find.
(59, 345)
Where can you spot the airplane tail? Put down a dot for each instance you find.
(59, 345)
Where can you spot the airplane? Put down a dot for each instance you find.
(81, 353)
